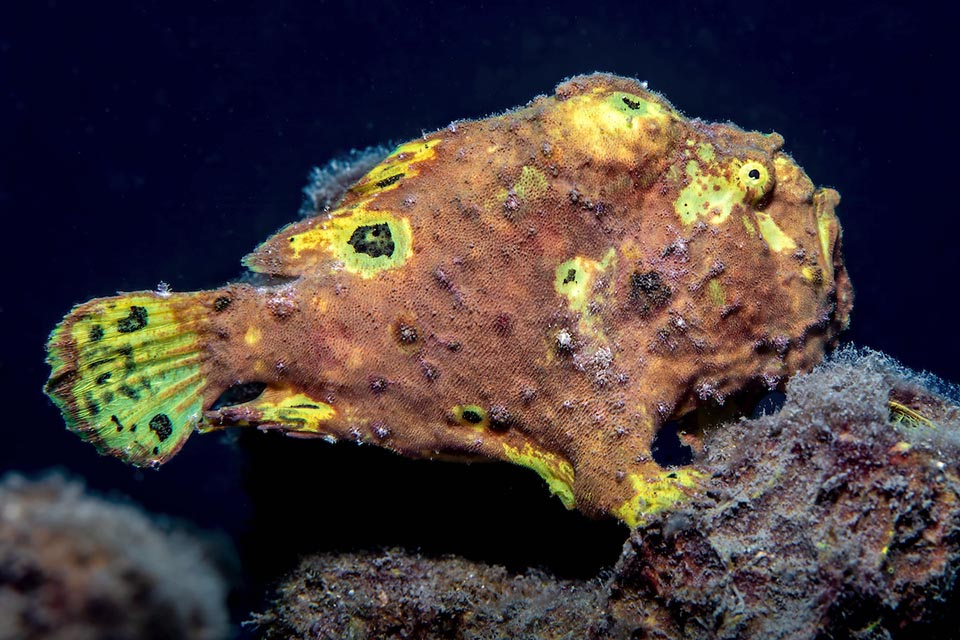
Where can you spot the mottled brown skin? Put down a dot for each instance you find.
(473, 317)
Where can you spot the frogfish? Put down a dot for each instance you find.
(547, 286)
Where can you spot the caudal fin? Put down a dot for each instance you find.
(126, 373)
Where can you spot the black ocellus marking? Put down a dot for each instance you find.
(471, 416)
(373, 240)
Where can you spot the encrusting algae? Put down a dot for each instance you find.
(547, 286)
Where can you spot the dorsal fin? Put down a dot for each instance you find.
(356, 237)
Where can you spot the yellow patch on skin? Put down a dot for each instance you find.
(775, 237)
(334, 235)
(557, 472)
(713, 191)
(717, 295)
(749, 225)
(809, 273)
(253, 335)
(823, 231)
(575, 279)
(398, 166)
(708, 196)
(656, 494)
(705, 152)
(531, 184)
(825, 222)
(355, 360)
(614, 126)
(297, 412)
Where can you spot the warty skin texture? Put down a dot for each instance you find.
(547, 286)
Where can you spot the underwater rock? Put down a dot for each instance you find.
(836, 517)
(76, 567)
(393, 594)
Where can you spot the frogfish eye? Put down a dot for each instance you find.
(755, 179)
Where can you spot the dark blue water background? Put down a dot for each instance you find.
(152, 141)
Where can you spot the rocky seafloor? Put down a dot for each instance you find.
(836, 517)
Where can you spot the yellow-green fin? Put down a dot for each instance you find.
(125, 373)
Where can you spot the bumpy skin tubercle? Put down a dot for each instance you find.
(546, 287)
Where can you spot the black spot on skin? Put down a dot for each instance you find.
(130, 392)
(647, 291)
(129, 362)
(156, 451)
(378, 384)
(571, 276)
(373, 240)
(471, 416)
(115, 420)
(503, 324)
(133, 428)
(136, 320)
(305, 406)
(96, 333)
(386, 182)
(103, 377)
(222, 303)
(92, 407)
(161, 425)
(99, 363)
(633, 104)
